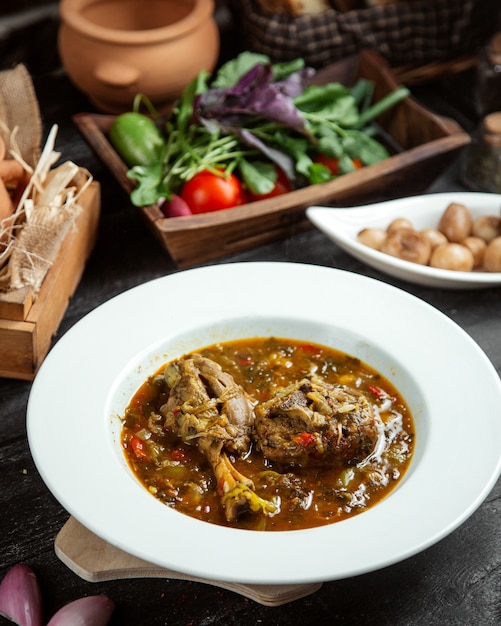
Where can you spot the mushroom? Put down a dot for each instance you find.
(456, 222)
(372, 237)
(407, 244)
(434, 236)
(452, 256)
(398, 223)
(477, 247)
(487, 227)
(492, 256)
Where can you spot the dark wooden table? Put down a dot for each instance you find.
(457, 581)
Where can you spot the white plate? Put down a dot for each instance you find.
(343, 224)
(89, 376)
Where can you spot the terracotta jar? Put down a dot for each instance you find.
(114, 49)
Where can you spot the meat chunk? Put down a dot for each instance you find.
(312, 422)
(207, 408)
(205, 402)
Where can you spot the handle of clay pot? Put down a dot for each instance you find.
(116, 74)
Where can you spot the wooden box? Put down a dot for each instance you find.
(422, 144)
(27, 325)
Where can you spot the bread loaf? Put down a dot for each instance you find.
(294, 7)
(379, 3)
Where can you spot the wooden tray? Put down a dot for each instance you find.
(422, 74)
(27, 325)
(95, 560)
(424, 144)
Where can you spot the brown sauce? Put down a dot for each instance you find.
(178, 474)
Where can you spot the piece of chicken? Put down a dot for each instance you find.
(207, 408)
(315, 423)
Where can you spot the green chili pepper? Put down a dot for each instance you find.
(136, 138)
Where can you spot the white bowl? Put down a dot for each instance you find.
(89, 376)
(343, 224)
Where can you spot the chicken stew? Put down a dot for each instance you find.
(268, 434)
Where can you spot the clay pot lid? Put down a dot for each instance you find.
(71, 14)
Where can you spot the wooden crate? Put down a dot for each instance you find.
(27, 324)
(422, 143)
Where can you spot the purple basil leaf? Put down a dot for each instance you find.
(295, 83)
(259, 73)
(254, 94)
(282, 160)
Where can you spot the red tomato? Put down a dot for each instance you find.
(179, 455)
(207, 192)
(332, 163)
(376, 391)
(307, 347)
(137, 446)
(304, 439)
(282, 185)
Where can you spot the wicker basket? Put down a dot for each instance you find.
(413, 32)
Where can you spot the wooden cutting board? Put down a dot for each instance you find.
(95, 560)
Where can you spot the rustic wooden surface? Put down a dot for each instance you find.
(455, 582)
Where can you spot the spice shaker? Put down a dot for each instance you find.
(488, 77)
(481, 167)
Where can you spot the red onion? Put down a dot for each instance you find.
(175, 207)
(20, 598)
(89, 611)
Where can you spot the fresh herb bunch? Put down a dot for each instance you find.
(255, 116)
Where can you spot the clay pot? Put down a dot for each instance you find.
(114, 49)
